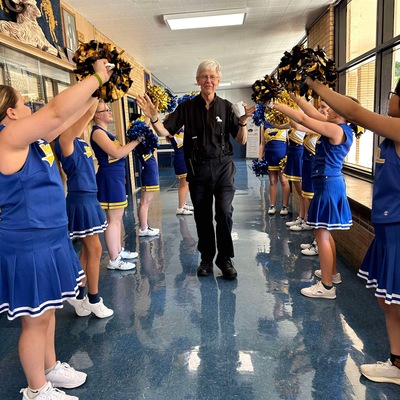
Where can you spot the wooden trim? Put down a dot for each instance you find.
(33, 51)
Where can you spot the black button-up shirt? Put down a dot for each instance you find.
(206, 131)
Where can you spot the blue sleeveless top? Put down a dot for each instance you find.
(78, 167)
(329, 157)
(385, 202)
(103, 159)
(34, 196)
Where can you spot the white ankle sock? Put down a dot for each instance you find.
(32, 393)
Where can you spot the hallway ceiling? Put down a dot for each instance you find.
(246, 53)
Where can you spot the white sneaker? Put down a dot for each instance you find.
(187, 207)
(78, 305)
(149, 231)
(284, 211)
(336, 279)
(98, 309)
(64, 376)
(381, 372)
(318, 291)
(128, 255)
(271, 210)
(297, 221)
(311, 251)
(183, 211)
(48, 393)
(121, 265)
(301, 227)
(307, 245)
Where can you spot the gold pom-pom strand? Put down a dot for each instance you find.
(274, 116)
(157, 93)
(120, 81)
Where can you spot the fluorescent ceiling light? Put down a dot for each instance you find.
(223, 84)
(205, 19)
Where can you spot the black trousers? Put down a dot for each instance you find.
(213, 179)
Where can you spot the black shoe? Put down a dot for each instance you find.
(227, 268)
(205, 268)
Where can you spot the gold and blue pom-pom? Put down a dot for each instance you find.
(172, 103)
(358, 130)
(301, 62)
(259, 115)
(260, 168)
(149, 142)
(266, 89)
(274, 116)
(119, 82)
(187, 96)
(158, 94)
(282, 164)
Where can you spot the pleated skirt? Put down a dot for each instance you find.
(39, 269)
(329, 208)
(381, 264)
(85, 216)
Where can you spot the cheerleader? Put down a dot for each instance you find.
(273, 148)
(86, 219)
(381, 264)
(329, 208)
(38, 265)
(110, 179)
(180, 172)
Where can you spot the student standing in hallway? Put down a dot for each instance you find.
(209, 121)
(381, 264)
(110, 179)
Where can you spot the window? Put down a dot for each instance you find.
(360, 83)
(361, 27)
(396, 66)
(396, 28)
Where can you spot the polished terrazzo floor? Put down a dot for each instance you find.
(175, 336)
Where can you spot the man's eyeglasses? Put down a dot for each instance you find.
(391, 94)
(105, 110)
(212, 78)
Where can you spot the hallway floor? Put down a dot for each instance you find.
(179, 337)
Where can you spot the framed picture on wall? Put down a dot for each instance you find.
(146, 80)
(70, 55)
(70, 35)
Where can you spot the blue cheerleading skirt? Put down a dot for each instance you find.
(85, 216)
(329, 208)
(38, 270)
(150, 179)
(111, 191)
(274, 152)
(294, 162)
(180, 165)
(381, 264)
(307, 187)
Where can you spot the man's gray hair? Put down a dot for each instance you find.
(209, 65)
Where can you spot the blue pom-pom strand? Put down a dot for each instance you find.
(149, 141)
(259, 115)
(260, 167)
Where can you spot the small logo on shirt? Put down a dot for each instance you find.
(218, 119)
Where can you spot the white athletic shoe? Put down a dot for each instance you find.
(271, 210)
(187, 207)
(319, 292)
(128, 255)
(297, 221)
(78, 305)
(98, 309)
(336, 279)
(48, 393)
(304, 246)
(183, 211)
(121, 265)
(148, 231)
(381, 372)
(64, 376)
